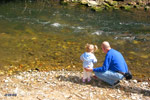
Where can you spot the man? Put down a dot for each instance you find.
(114, 66)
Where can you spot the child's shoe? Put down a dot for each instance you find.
(89, 80)
(83, 80)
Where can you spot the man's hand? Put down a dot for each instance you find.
(89, 69)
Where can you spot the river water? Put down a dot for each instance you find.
(45, 36)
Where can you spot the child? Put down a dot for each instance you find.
(88, 59)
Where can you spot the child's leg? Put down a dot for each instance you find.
(85, 76)
(89, 76)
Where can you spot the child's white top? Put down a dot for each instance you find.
(88, 59)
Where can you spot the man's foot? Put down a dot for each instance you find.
(116, 82)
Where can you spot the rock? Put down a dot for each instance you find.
(92, 3)
(1, 72)
(19, 77)
(84, 2)
(16, 90)
(97, 8)
(21, 93)
(111, 2)
(118, 90)
(106, 5)
(147, 8)
(67, 86)
(1, 96)
(6, 81)
(126, 82)
(126, 7)
(135, 81)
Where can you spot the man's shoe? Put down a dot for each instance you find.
(116, 82)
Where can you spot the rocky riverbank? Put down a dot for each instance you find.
(67, 85)
(99, 5)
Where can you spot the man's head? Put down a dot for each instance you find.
(105, 46)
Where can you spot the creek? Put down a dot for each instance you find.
(47, 36)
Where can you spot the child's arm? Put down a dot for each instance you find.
(85, 59)
(81, 57)
(94, 60)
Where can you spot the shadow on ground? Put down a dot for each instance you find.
(101, 84)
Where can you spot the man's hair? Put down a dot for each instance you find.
(106, 44)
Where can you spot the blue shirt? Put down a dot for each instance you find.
(88, 59)
(114, 61)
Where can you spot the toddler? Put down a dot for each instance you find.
(88, 59)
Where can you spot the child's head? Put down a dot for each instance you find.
(91, 48)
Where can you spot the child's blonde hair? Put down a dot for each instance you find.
(90, 47)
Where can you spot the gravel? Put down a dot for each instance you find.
(67, 85)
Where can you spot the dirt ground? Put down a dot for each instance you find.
(67, 85)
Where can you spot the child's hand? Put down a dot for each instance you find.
(89, 69)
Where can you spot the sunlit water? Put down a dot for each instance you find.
(52, 37)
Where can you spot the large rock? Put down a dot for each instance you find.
(114, 4)
(126, 7)
(84, 2)
(147, 7)
(111, 2)
(92, 3)
(97, 8)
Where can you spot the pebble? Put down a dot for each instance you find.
(1, 96)
(67, 85)
(6, 81)
(135, 81)
(19, 77)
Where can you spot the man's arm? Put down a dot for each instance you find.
(103, 68)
